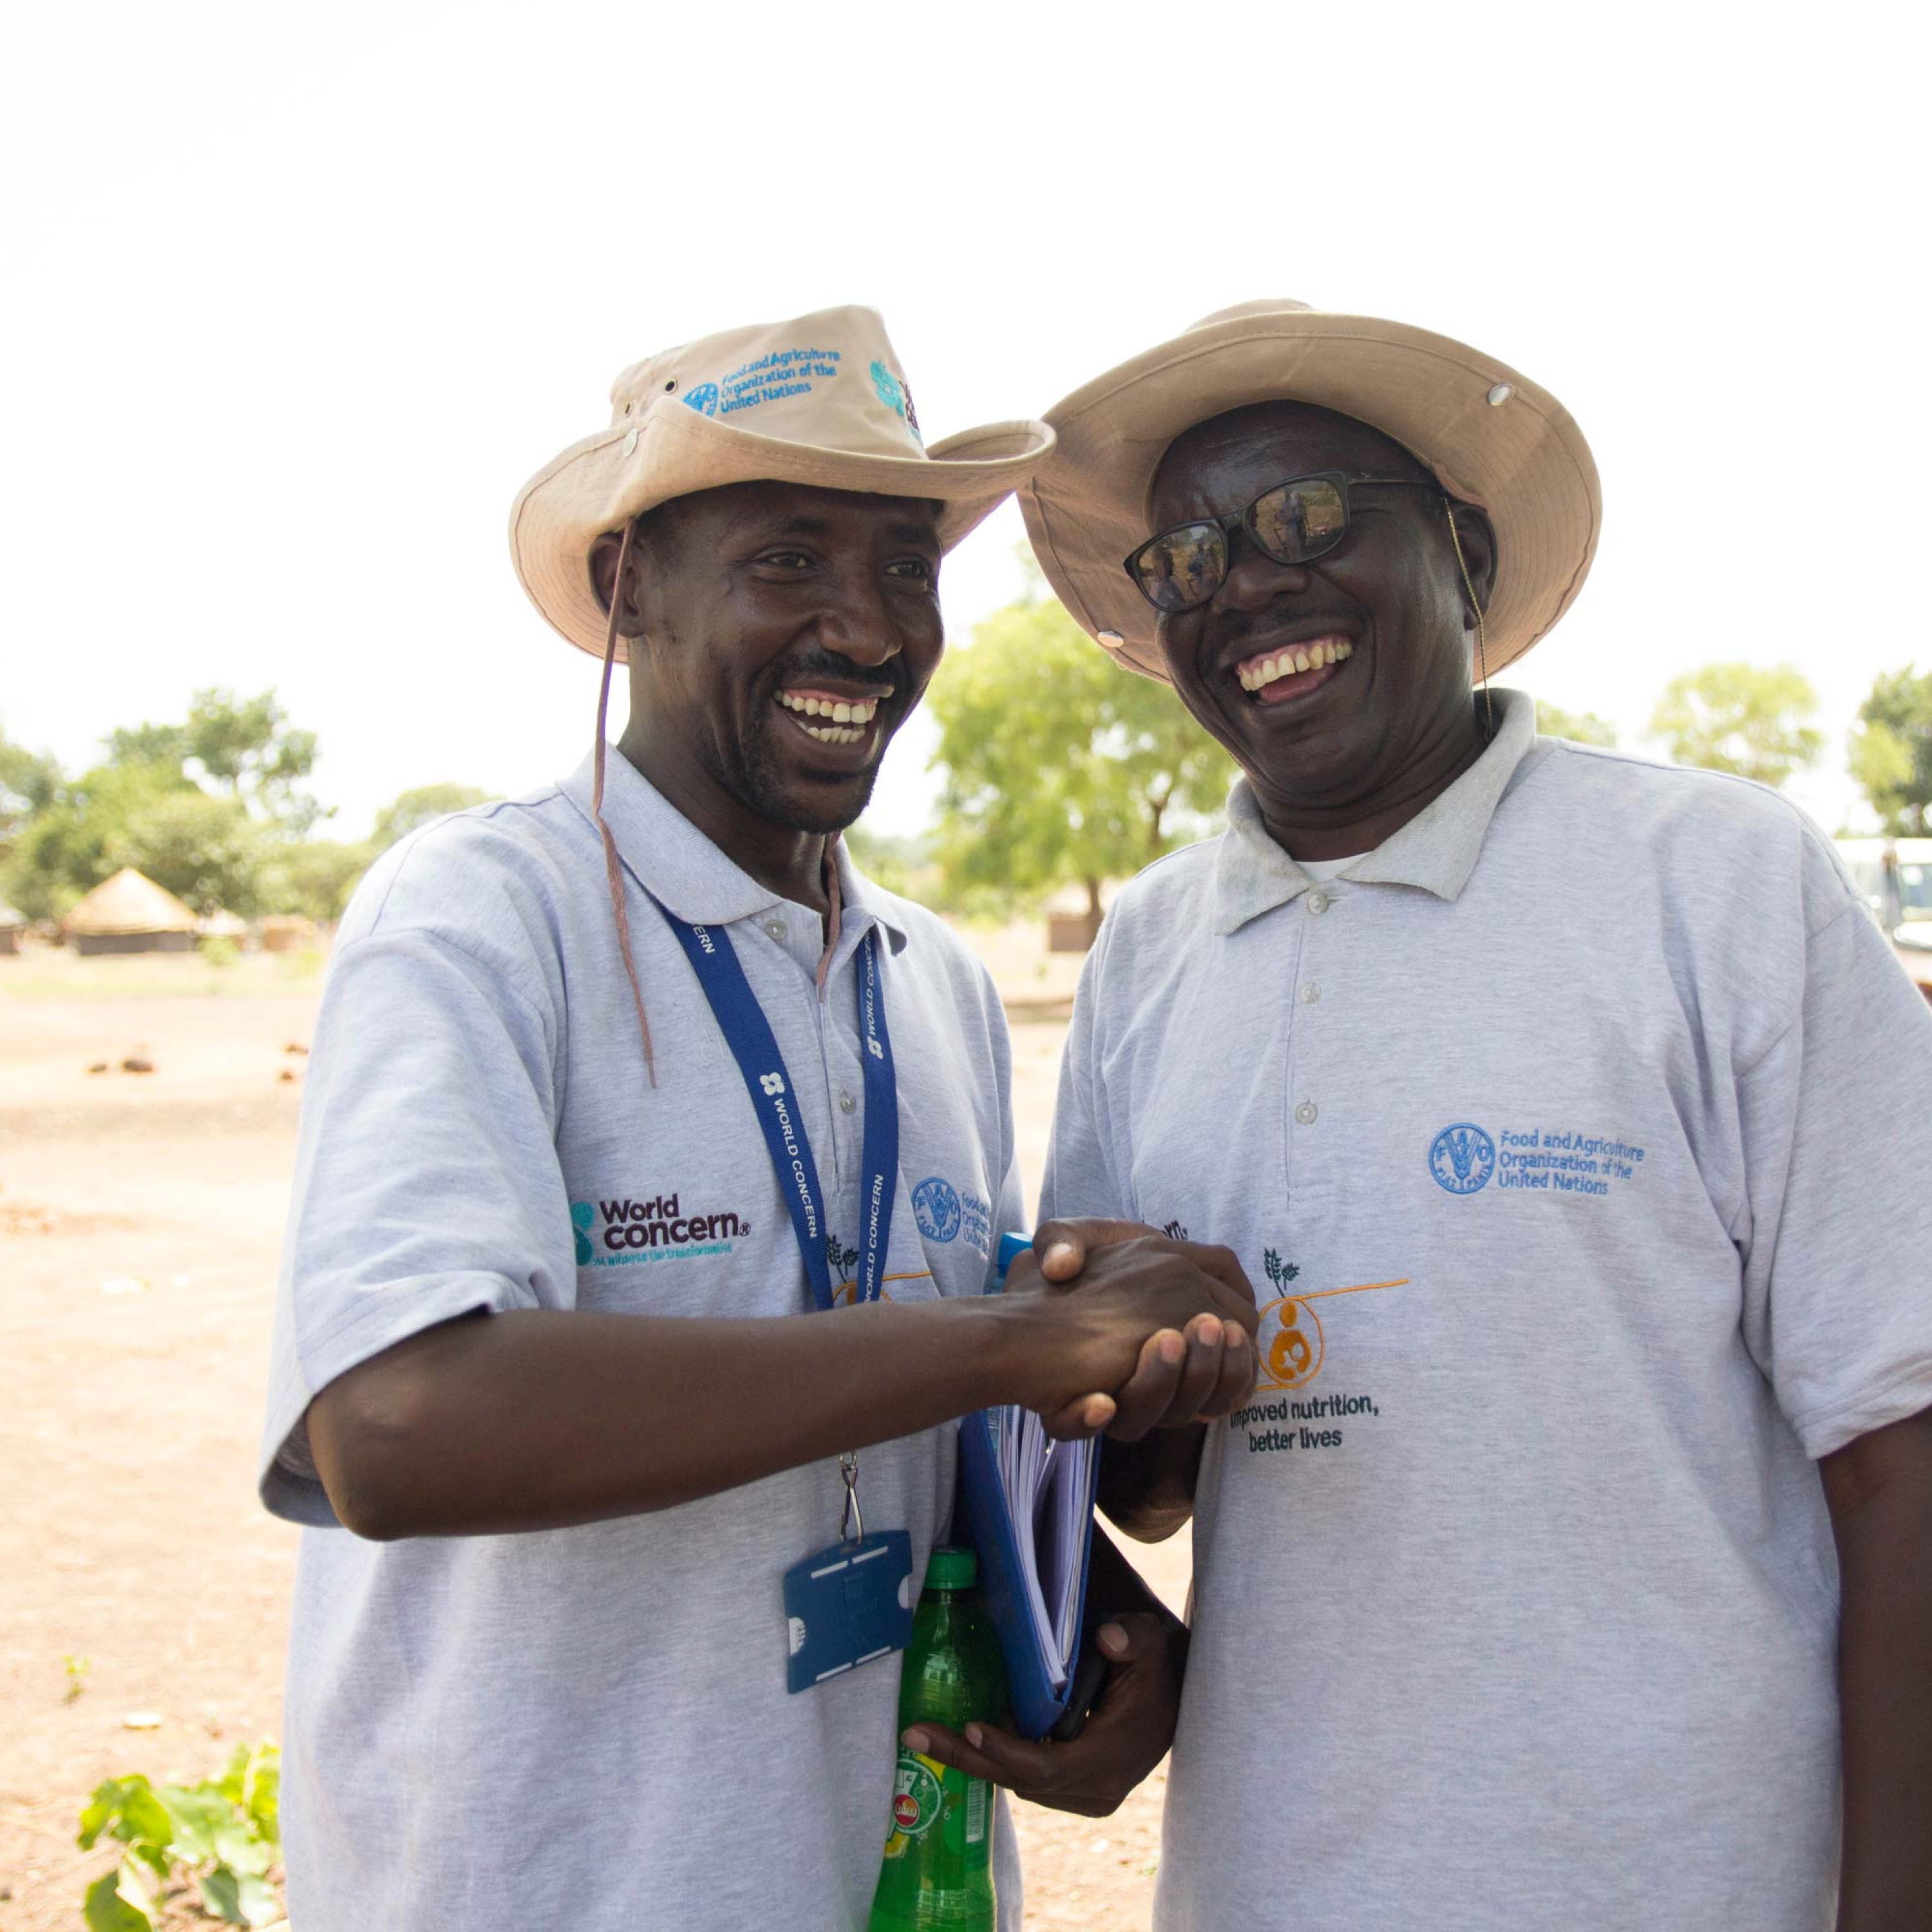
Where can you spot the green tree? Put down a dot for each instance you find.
(1892, 750)
(67, 849)
(1060, 767)
(313, 876)
(164, 744)
(1740, 717)
(29, 783)
(1581, 728)
(206, 850)
(893, 860)
(245, 748)
(411, 810)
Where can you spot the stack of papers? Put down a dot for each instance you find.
(1049, 1488)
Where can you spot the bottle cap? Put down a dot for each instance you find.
(951, 1569)
(1012, 1247)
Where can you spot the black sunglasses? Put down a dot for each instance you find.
(1181, 568)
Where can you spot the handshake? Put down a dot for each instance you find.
(1123, 1329)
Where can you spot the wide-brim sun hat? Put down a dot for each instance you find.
(820, 399)
(1489, 435)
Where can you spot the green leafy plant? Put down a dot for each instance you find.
(221, 1837)
(1279, 1272)
(76, 1669)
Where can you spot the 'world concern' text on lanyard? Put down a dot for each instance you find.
(748, 1034)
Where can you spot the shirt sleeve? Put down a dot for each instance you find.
(1836, 1118)
(1080, 1177)
(426, 1183)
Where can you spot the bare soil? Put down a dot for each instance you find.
(140, 1219)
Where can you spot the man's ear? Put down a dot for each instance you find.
(603, 555)
(1475, 537)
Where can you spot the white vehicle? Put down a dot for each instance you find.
(1895, 875)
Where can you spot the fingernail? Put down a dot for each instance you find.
(1172, 1348)
(1209, 1330)
(1111, 1638)
(915, 1740)
(1236, 1339)
(975, 1736)
(1061, 1254)
(1099, 1411)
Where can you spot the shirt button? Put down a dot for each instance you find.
(774, 928)
(1305, 1113)
(846, 1103)
(1310, 994)
(1318, 903)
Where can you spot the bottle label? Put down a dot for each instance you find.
(918, 1801)
(940, 1813)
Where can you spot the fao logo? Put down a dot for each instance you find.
(935, 1206)
(772, 1083)
(1463, 1158)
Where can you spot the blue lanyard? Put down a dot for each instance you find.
(741, 1021)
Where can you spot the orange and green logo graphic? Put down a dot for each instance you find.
(1291, 1339)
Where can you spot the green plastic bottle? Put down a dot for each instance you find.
(938, 1876)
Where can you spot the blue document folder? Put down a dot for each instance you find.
(1026, 1506)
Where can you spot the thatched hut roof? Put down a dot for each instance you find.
(129, 902)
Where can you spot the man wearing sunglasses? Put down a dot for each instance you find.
(1571, 1565)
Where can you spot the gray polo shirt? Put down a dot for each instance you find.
(1577, 1140)
(589, 1727)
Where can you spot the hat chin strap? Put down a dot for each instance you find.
(613, 870)
(1482, 661)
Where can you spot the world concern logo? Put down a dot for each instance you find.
(622, 1229)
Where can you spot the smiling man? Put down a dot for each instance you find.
(607, 1128)
(1573, 1563)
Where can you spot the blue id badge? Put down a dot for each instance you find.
(849, 1605)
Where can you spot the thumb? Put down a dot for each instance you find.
(1128, 1638)
(1061, 1246)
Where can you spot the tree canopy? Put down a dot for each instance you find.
(409, 810)
(29, 781)
(244, 749)
(1581, 728)
(211, 807)
(1740, 717)
(1892, 750)
(1060, 767)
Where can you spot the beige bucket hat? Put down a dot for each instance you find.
(821, 399)
(1492, 437)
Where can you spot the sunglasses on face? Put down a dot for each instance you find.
(1182, 569)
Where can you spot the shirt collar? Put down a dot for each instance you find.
(691, 878)
(1437, 850)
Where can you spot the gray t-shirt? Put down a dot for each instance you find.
(589, 1728)
(1576, 1141)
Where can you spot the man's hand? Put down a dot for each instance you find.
(1128, 1734)
(1879, 1489)
(1206, 1368)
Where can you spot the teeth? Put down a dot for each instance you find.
(856, 711)
(1290, 663)
(834, 734)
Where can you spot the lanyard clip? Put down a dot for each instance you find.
(851, 1518)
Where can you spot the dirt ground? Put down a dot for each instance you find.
(140, 1218)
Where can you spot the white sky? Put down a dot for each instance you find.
(299, 296)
